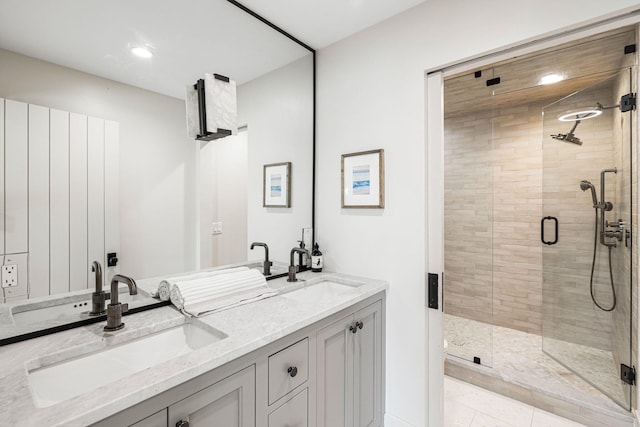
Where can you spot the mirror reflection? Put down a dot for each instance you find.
(98, 165)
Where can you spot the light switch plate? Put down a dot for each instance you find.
(216, 228)
(307, 238)
(9, 276)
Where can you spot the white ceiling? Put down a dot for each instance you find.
(188, 37)
(320, 23)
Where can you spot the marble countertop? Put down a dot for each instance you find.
(247, 327)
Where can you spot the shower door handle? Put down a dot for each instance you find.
(555, 220)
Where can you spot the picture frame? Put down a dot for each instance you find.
(362, 179)
(276, 185)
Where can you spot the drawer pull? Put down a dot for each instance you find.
(354, 328)
(293, 371)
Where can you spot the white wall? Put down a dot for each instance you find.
(223, 190)
(157, 172)
(278, 111)
(371, 95)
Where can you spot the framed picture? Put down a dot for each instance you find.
(276, 185)
(363, 179)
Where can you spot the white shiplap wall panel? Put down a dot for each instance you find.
(59, 202)
(95, 161)
(16, 179)
(1, 175)
(79, 264)
(38, 201)
(111, 193)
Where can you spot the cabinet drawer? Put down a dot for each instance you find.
(158, 419)
(291, 414)
(288, 368)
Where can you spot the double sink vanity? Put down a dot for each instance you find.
(313, 355)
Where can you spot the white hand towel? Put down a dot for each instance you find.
(164, 288)
(206, 295)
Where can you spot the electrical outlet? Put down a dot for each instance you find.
(9, 276)
(216, 228)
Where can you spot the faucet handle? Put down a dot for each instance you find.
(124, 306)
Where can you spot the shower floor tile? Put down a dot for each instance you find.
(517, 357)
(466, 405)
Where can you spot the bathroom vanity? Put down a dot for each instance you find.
(311, 356)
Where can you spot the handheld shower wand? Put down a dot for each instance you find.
(586, 185)
(599, 229)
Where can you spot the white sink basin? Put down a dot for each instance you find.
(65, 311)
(63, 380)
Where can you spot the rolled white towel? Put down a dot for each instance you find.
(164, 288)
(206, 295)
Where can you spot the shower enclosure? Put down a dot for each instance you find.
(588, 274)
(540, 217)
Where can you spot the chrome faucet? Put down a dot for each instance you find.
(292, 267)
(266, 265)
(99, 296)
(115, 308)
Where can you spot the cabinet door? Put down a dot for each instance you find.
(367, 367)
(227, 403)
(334, 375)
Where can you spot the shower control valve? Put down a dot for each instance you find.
(618, 231)
(619, 224)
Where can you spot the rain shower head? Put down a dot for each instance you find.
(577, 117)
(569, 136)
(585, 185)
(586, 114)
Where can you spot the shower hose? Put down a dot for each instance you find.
(593, 267)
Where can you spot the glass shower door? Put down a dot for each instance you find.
(468, 228)
(588, 266)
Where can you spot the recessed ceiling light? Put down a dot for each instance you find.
(551, 79)
(142, 52)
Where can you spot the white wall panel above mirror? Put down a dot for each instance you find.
(16, 177)
(38, 191)
(59, 202)
(2, 217)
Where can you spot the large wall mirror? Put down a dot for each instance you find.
(180, 204)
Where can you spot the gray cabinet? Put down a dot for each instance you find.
(227, 403)
(349, 370)
(329, 374)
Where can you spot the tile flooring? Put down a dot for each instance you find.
(518, 356)
(466, 405)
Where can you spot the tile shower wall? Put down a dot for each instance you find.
(469, 217)
(493, 207)
(493, 199)
(569, 313)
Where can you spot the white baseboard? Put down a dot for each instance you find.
(392, 421)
